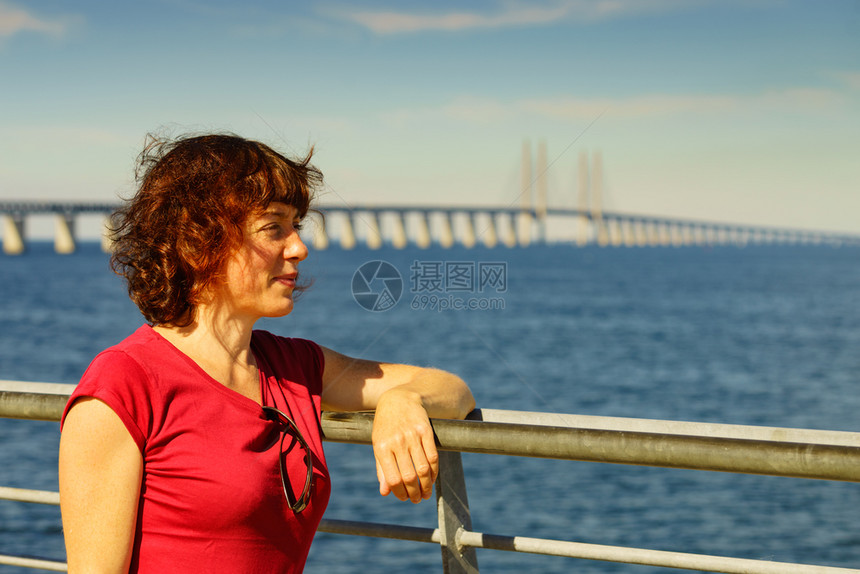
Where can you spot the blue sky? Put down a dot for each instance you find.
(746, 112)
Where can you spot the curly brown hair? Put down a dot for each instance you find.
(172, 238)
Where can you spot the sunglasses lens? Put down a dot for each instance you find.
(292, 439)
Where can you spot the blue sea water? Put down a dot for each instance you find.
(760, 336)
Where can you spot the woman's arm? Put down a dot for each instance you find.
(100, 473)
(404, 398)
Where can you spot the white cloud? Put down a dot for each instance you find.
(510, 14)
(14, 20)
(483, 111)
(794, 99)
(635, 107)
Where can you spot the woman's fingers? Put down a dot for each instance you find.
(404, 446)
(431, 456)
(384, 489)
(407, 467)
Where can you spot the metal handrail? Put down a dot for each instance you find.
(827, 455)
(808, 458)
(727, 454)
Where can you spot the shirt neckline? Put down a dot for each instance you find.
(234, 396)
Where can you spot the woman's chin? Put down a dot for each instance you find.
(283, 311)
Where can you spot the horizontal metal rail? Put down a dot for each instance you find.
(725, 454)
(27, 495)
(828, 455)
(467, 538)
(815, 457)
(509, 543)
(35, 563)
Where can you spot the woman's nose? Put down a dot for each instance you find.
(295, 247)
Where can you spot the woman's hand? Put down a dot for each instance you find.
(404, 398)
(407, 461)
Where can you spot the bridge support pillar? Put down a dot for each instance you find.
(583, 231)
(663, 237)
(508, 231)
(374, 235)
(541, 191)
(107, 231)
(422, 231)
(347, 235)
(652, 234)
(446, 231)
(733, 237)
(468, 230)
(13, 234)
(602, 232)
(320, 236)
(643, 233)
(398, 232)
(741, 237)
(628, 239)
(489, 233)
(696, 235)
(676, 233)
(687, 235)
(64, 240)
(583, 222)
(640, 231)
(524, 228)
(616, 237)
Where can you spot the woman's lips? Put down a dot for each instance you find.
(289, 279)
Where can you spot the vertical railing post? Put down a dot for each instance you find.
(454, 516)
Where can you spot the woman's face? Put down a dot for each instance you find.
(261, 274)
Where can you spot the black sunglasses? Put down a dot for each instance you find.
(288, 427)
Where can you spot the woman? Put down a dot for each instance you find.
(194, 445)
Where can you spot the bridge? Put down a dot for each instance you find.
(519, 224)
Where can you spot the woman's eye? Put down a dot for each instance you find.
(278, 229)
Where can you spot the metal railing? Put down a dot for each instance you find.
(825, 455)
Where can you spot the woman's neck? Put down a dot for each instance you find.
(221, 346)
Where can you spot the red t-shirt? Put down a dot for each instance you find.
(211, 497)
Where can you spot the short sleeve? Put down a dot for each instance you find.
(311, 361)
(119, 381)
(298, 360)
